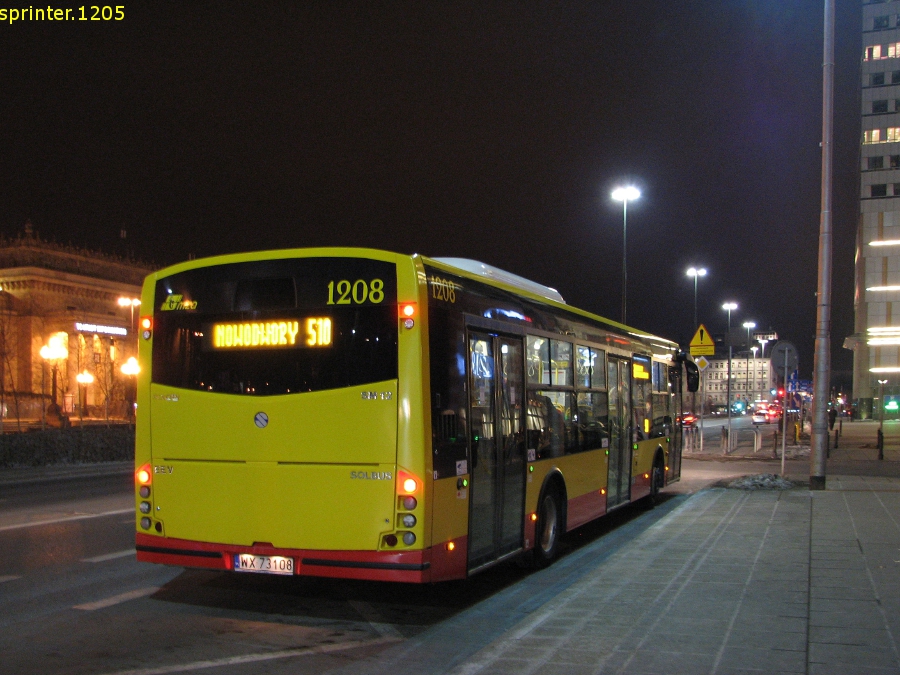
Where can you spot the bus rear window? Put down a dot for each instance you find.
(275, 327)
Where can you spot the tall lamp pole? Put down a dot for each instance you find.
(695, 272)
(728, 307)
(625, 194)
(749, 325)
(818, 450)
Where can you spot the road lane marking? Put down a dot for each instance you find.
(110, 556)
(65, 519)
(255, 658)
(117, 599)
(10, 577)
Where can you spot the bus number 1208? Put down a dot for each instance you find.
(355, 292)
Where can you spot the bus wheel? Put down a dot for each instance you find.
(657, 481)
(548, 529)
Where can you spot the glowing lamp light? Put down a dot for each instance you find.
(131, 367)
(408, 310)
(451, 546)
(533, 517)
(143, 475)
(410, 485)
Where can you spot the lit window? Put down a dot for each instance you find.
(872, 136)
(893, 50)
(893, 134)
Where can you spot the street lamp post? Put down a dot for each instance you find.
(749, 325)
(625, 194)
(881, 384)
(131, 369)
(53, 352)
(753, 390)
(84, 379)
(729, 307)
(695, 272)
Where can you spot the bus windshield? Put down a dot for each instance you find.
(274, 327)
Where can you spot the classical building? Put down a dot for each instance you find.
(876, 339)
(752, 379)
(65, 329)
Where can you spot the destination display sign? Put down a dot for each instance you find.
(316, 331)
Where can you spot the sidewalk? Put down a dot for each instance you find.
(721, 581)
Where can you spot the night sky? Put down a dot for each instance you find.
(487, 130)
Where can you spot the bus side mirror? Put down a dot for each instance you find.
(693, 376)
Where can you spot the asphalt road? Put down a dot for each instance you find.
(73, 599)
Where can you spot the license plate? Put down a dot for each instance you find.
(263, 564)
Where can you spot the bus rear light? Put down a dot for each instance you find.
(145, 507)
(450, 546)
(533, 517)
(390, 540)
(410, 503)
(646, 475)
(409, 520)
(146, 327)
(144, 491)
(143, 475)
(408, 313)
(407, 484)
(145, 523)
(409, 538)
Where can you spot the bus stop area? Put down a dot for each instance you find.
(715, 579)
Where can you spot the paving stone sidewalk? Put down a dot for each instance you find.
(725, 582)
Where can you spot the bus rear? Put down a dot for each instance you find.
(272, 401)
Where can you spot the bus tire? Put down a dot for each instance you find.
(549, 528)
(657, 481)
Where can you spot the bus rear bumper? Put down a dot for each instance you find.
(400, 566)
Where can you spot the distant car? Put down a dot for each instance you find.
(687, 420)
(760, 415)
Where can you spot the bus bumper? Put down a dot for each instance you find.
(400, 566)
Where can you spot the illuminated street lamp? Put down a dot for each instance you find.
(749, 325)
(754, 349)
(881, 384)
(131, 368)
(55, 351)
(729, 307)
(84, 379)
(695, 272)
(625, 194)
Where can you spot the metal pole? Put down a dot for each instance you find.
(624, 255)
(822, 367)
(784, 412)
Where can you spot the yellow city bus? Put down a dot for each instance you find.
(356, 413)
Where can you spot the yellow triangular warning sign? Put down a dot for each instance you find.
(702, 343)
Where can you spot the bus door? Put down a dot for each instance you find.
(618, 488)
(676, 445)
(497, 447)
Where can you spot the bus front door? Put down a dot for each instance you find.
(618, 488)
(497, 447)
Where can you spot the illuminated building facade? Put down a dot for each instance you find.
(876, 339)
(65, 330)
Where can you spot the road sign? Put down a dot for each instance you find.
(702, 344)
(702, 362)
(784, 352)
